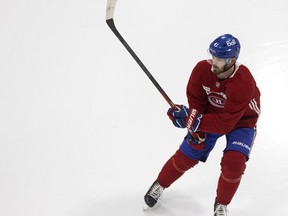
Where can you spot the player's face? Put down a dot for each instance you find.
(218, 65)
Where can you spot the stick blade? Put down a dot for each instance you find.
(110, 9)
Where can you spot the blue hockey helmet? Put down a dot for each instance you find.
(225, 46)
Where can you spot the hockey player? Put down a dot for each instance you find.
(223, 100)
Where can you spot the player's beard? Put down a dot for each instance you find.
(217, 70)
(224, 72)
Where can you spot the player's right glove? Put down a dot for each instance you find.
(178, 117)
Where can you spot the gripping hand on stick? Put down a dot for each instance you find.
(184, 118)
(192, 124)
(179, 116)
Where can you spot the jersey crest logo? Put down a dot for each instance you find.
(216, 99)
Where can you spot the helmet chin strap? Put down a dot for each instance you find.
(228, 61)
(222, 74)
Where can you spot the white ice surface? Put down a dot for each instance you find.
(83, 132)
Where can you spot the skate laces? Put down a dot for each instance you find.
(221, 210)
(156, 191)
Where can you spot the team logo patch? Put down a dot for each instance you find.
(216, 101)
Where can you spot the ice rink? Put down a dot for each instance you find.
(83, 131)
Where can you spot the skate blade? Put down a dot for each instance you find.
(146, 207)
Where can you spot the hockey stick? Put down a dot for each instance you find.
(110, 22)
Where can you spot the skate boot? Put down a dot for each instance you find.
(220, 210)
(153, 194)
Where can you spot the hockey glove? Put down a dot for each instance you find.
(193, 121)
(178, 117)
(192, 124)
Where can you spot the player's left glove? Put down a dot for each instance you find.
(178, 117)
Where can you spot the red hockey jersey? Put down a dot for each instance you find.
(225, 104)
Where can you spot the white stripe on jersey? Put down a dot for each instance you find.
(253, 106)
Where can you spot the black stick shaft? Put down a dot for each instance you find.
(112, 26)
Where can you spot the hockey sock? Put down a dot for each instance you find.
(174, 168)
(232, 166)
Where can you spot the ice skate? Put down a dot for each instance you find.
(220, 210)
(153, 194)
